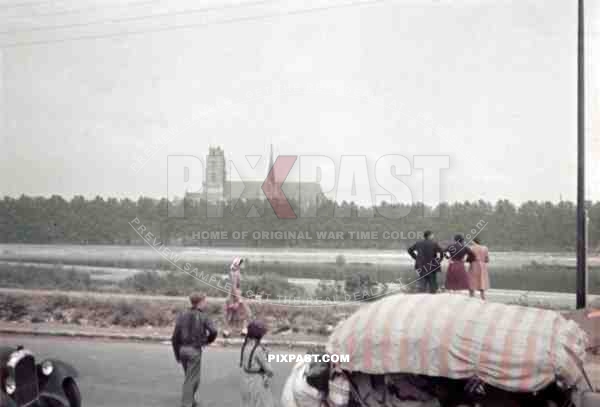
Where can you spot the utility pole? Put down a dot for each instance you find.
(582, 278)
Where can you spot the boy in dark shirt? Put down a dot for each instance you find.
(193, 331)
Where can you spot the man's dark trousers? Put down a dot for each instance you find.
(429, 282)
(191, 360)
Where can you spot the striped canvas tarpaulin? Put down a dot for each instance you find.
(511, 347)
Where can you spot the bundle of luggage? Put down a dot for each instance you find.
(447, 350)
(317, 384)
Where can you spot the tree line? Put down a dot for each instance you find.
(531, 226)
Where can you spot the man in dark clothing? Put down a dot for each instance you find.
(428, 257)
(193, 331)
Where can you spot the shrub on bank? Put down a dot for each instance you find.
(14, 308)
(51, 278)
(270, 280)
(271, 286)
(136, 313)
(177, 283)
(133, 315)
(334, 270)
(329, 291)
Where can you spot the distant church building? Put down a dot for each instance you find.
(216, 175)
(219, 189)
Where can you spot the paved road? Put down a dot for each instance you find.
(128, 374)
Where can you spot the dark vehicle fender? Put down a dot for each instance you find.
(51, 387)
(63, 369)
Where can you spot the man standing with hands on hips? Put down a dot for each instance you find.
(428, 256)
(193, 331)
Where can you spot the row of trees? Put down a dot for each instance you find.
(505, 226)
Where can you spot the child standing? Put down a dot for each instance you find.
(256, 369)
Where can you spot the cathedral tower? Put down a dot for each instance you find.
(215, 175)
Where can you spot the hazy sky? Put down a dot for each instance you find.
(491, 84)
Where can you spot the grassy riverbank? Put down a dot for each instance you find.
(271, 278)
(101, 310)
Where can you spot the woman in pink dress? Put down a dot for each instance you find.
(236, 311)
(457, 278)
(478, 272)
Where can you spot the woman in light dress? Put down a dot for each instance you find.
(479, 279)
(237, 312)
(256, 369)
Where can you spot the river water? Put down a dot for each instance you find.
(89, 253)
(45, 257)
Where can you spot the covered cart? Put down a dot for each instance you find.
(510, 348)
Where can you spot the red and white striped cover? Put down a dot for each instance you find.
(511, 347)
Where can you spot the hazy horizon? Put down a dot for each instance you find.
(135, 198)
(490, 84)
